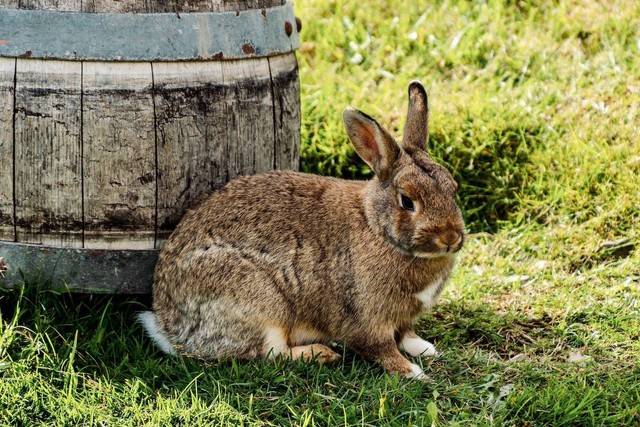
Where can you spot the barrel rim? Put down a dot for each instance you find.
(75, 36)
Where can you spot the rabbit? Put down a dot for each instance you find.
(283, 263)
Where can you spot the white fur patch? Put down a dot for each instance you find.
(429, 295)
(416, 373)
(416, 346)
(430, 255)
(275, 342)
(152, 327)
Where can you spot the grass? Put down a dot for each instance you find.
(536, 110)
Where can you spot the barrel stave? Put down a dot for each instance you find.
(286, 104)
(7, 75)
(192, 142)
(119, 155)
(48, 181)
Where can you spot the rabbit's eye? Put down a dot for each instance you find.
(407, 203)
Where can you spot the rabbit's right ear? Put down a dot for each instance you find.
(372, 142)
(416, 129)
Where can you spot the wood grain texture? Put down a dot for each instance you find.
(249, 114)
(190, 123)
(7, 72)
(48, 189)
(143, 6)
(175, 6)
(286, 102)
(109, 155)
(59, 5)
(119, 155)
(114, 6)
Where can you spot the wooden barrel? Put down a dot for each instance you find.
(117, 115)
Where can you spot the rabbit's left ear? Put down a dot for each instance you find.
(371, 141)
(416, 129)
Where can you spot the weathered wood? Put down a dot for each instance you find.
(106, 156)
(81, 270)
(249, 114)
(189, 103)
(7, 73)
(286, 102)
(119, 156)
(60, 5)
(48, 189)
(111, 6)
(146, 6)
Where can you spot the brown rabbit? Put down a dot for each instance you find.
(278, 263)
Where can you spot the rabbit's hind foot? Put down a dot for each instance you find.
(275, 345)
(317, 352)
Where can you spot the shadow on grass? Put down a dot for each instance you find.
(94, 338)
(102, 333)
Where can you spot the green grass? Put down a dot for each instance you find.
(535, 107)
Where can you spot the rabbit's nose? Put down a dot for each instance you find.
(450, 240)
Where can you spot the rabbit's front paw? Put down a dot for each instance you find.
(416, 373)
(415, 346)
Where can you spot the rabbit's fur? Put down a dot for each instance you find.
(278, 263)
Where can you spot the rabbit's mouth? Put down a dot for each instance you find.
(433, 254)
(442, 244)
(427, 251)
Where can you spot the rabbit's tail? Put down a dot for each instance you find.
(152, 327)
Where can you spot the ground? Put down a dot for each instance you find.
(535, 107)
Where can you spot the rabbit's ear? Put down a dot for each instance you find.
(416, 129)
(372, 142)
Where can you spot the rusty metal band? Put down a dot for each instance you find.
(84, 270)
(147, 36)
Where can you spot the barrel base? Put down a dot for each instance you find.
(79, 270)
